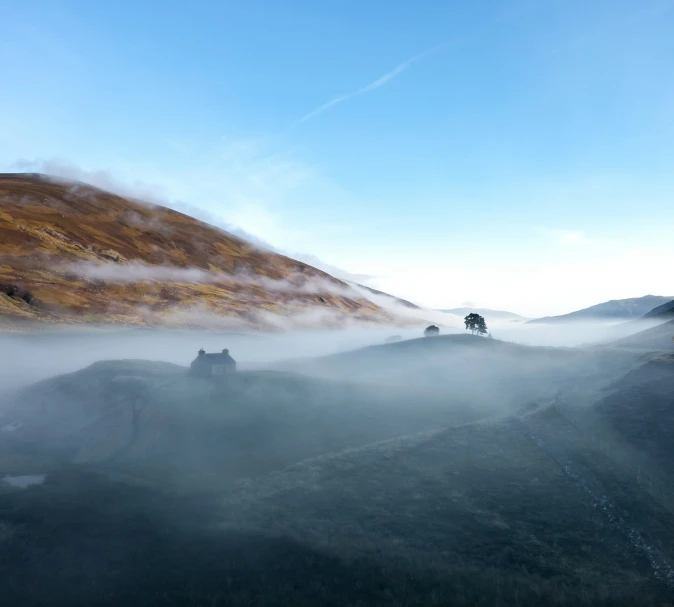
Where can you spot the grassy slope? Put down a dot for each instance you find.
(46, 226)
(634, 420)
(477, 500)
(653, 339)
(205, 431)
(640, 408)
(446, 362)
(257, 422)
(475, 514)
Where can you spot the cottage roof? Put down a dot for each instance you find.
(218, 358)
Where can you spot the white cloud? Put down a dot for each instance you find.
(571, 237)
(136, 271)
(564, 236)
(421, 315)
(333, 270)
(239, 186)
(104, 179)
(139, 272)
(583, 241)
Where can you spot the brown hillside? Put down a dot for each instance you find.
(70, 252)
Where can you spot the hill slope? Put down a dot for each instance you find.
(488, 374)
(70, 252)
(617, 309)
(154, 421)
(393, 298)
(632, 420)
(379, 498)
(480, 514)
(666, 310)
(655, 338)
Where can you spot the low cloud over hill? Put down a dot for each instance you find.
(72, 253)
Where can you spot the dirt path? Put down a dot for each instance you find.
(554, 448)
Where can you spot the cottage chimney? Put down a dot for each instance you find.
(202, 352)
(225, 351)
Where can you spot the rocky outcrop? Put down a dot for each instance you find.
(18, 293)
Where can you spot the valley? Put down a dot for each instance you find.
(336, 304)
(446, 469)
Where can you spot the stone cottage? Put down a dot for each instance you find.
(213, 365)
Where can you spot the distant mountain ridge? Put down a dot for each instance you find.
(487, 313)
(616, 309)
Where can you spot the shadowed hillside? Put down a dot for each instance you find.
(615, 310)
(73, 253)
(154, 421)
(634, 420)
(449, 361)
(664, 311)
(447, 470)
(482, 514)
(656, 338)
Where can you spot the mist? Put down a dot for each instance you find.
(570, 334)
(135, 271)
(333, 451)
(43, 355)
(36, 356)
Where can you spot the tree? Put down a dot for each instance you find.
(432, 330)
(475, 324)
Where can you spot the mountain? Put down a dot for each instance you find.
(393, 298)
(486, 313)
(659, 337)
(616, 309)
(73, 253)
(666, 310)
(402, 308)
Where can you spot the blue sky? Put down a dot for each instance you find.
(517, 155)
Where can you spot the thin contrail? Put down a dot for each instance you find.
(381, 81)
